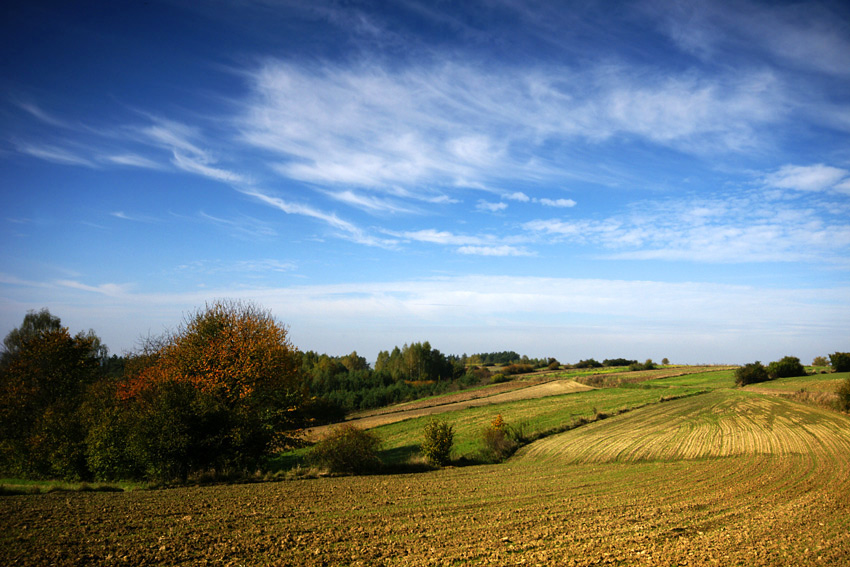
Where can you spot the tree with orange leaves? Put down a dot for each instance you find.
(219, 393)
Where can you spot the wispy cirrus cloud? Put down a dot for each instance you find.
(809, 36)
(375, 127)
(134, 160)
(728, 229)
(55, 154)
(133, 217)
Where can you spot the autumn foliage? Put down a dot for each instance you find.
(231, 350)
(218, 394)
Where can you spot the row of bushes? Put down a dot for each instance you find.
(786, 367)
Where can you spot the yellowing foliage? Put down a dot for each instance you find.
(229, 349)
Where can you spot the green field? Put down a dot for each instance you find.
(719, 476)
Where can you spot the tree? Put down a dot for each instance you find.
(751, 373)
(665, 361)
(820, 361)
(840, 361)
(437, 441)
(230, 377)
(786, 367)
(44, 373)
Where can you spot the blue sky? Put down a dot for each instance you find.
(568, 179)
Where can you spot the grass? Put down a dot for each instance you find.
(538, 417)
(814, 382)
(13, 486)
(721, 423)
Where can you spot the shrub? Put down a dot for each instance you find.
(665, 361)
(517, 369)
(438, 437)
(554, 365)
(589, 363)
(785, 368)
(347, 449)
(498, 443)
(751, 373)
(648, 365)
(618, 362)
(820, 361)
(499, 378)
(840, 361)
(843, 401)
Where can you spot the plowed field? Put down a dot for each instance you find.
(723, 478)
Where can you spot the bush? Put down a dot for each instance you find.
(785, 368)
(840, 361)
(751, 373)
(438, 437)
(589, 363)
(618, 362)
(554, 365)
(648, 365)
(517, 369)
(347, 449)
(820, 361)
(843, 402)
(497, 441)
(499, 379)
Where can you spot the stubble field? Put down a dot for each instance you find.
(728, 477)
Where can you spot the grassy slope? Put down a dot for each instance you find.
(719, 424)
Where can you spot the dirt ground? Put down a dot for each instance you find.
(753, 511)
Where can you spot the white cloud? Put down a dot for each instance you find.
(55, 154)
(133, 160)
(807, 35)
(135, 218)
(518, 196)
(368, 202)
(442, 237)
(192, 165)
(503, 250)
(817, 177)
(537, 315)
(349, 230)
(557, 202)
(109, 289)
(727, 229)
(464, 125)
(491, 207)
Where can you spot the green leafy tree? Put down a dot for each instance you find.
(44, 373)
(751, 373)
(786, 367)
(840, 361)
(437, 441)
(820, 361)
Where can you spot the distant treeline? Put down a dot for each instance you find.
(348, 382)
